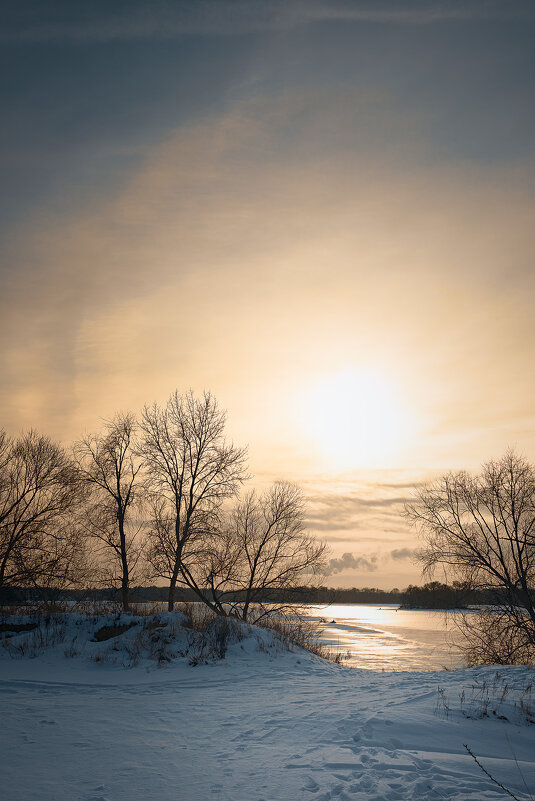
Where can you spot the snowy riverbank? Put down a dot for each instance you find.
(262, 722)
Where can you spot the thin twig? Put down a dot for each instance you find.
(491, 777)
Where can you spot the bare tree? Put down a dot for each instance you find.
(191, 471)
(107, 464)
(481, 529)
(262, 555)
(40, 494)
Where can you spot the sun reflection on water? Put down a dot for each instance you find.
(388, 638)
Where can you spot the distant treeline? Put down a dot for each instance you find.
(435, 595)
(154, 594)
(432, 595)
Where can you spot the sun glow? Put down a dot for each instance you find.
(355, 418)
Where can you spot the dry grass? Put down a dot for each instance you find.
(84, 606)
(199, 616)
(304, 633)
(496, 698)
(50, 633)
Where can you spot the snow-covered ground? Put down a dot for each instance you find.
(262, 722)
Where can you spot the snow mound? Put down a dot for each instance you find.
(128, 641)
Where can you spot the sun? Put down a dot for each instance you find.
(354, 418)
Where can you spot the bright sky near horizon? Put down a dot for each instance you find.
(321, 211)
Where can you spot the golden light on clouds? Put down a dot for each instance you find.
(229, 262)
(225, 263)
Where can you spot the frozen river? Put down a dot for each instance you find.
(385, 637)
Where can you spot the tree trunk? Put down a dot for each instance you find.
(171, 594)
(124, 596)
(124, 565)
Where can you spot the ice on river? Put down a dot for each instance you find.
(385, 637)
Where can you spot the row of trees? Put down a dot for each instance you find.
(159, 498)
(151, 498)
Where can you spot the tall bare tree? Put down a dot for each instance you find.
(107, 463)
(481, 530)
(191, 471)
(40, 494)
(262, 555)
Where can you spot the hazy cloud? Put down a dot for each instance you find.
(245, 221)
(355, 502)
(409, 485)
(404, 553)
(95, 22)
(349, 561)
(366, 563)
(363, 506)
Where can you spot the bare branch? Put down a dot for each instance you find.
(190, 472)
(481, 528)
(108, 466)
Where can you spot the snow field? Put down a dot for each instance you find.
(262, 723)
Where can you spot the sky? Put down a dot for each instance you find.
(320, 211)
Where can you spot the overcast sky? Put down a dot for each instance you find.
(320, 211)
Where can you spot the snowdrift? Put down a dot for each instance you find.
(129, 641)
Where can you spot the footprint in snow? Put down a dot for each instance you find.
(310, 785)
(338, 791)
(423, 764)
(366, 783)
(421, 789)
